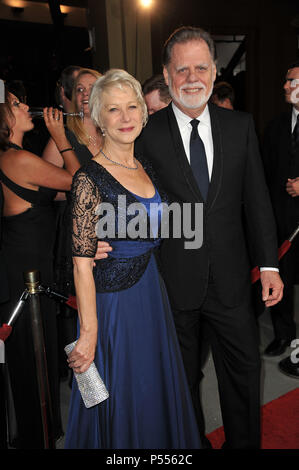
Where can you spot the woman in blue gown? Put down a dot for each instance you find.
(125, 321)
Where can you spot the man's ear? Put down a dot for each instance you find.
(165, 73)
(214, 72)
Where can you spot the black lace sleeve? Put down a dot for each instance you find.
(85, 198)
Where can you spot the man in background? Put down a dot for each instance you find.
(64, 88)
(223, 95)
(156, 93)
(281, 161)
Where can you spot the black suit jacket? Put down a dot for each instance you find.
(237, 184)
(280, 164)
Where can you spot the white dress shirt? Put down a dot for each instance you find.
(205, 133)
(295, 113)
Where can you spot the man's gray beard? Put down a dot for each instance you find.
(202, 101)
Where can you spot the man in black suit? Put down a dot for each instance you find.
(281, 161)
(213, 282)
(215, 162)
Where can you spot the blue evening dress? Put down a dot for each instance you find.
(138, 355)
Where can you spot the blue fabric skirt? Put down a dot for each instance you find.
(139, 360)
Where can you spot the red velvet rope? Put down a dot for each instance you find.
(5, 331)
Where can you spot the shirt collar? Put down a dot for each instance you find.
(295, 112)
(183, 120)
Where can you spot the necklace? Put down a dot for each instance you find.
(120, 164)
(14, 146)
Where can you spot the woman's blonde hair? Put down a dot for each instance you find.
(75, 123)
(114, 78)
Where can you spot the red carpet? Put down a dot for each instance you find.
(280, 424)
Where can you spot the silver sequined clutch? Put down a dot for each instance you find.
(90, 384)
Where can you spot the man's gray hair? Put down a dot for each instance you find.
(186, 34)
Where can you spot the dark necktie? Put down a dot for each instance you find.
(295, 137)
(198, 160)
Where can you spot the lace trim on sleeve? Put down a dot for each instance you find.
(85, 198)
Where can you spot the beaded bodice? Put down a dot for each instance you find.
(93, 188)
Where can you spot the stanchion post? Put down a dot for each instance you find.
(31, 279)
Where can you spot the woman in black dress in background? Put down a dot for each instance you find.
(84, 136)
(28, 236)
(86, 140)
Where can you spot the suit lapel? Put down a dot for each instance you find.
(287, 130)
(217, 171)
(285, 145)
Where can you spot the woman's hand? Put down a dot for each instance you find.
(55, 125)
(83, 353)
(292, 187)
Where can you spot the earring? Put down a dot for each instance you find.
(103, 132)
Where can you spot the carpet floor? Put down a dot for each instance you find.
(280, 424)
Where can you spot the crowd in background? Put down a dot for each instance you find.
(60, 145)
